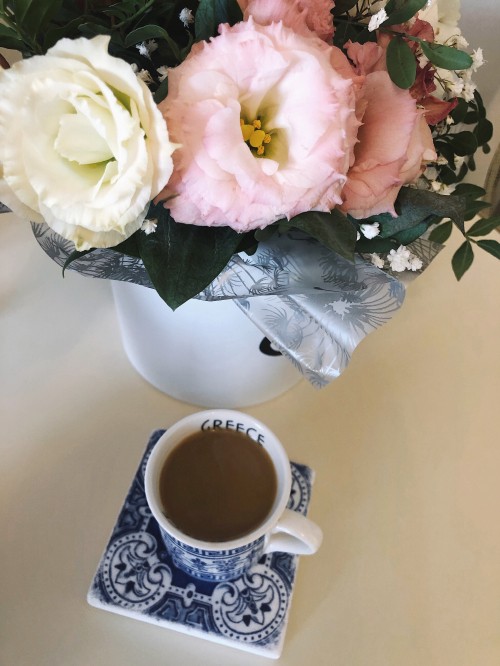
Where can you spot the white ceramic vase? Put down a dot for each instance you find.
(206, 353)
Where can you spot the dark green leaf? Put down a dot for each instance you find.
(443, 148)
(471, 117)
(166, 254)
(343, 6)
(460, 111)
(73, 257)
(484, 226)
(491, 246)
(441, 233)
(9, 39)
(469, 190)
(161, 92)
(483, 131)
(130, 246)
(39, 14)
(333, 230)
(401, 63)
(486, 149)
(473, 208)
(409, 235)
(415, 206)
(211, 13)
(462, 259)
(447, 175)
(21, 8)
(464, 143)
(405, 12)
(446, 57)
(480, 106)
(375, 244)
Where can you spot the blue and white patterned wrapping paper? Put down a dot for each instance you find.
(137, 578)
(313, 305)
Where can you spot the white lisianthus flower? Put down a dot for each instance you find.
(83, 146)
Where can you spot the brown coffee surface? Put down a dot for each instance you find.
(218, 485)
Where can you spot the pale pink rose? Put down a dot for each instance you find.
(394, 141)
(291, 84)
(299, 15)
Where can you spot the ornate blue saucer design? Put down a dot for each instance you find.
(137, 577)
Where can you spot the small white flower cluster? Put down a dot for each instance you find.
(399, 260)
(376, 20)
(149, 226)
(186, 17)
(145, 76)
(147, 48)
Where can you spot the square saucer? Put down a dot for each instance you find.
(137, 578)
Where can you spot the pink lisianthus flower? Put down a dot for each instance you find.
(394, 140)
(301, 16)
(266, 123)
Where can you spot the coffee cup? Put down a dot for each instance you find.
(190, 479)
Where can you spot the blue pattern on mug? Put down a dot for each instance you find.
(213, 565)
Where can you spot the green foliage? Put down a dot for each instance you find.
(333, 230)
(182, 259)
(404, 12)
(446, 57)
(211, 13)
(442, 232)
(401, 63)
(462, 259)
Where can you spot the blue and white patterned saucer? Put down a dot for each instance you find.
(136, 577)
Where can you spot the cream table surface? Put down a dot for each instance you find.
(405, 444)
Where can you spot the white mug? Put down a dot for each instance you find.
(283, 530)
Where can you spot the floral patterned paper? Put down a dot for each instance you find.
(312, 304)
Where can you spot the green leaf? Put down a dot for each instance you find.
(174, 247)
(446, 57)
(404, 13)
(491, 246)
(483, 131)
(333, 230)
(484, 226)
(74, 256)
(460, 111)
(343, 6)
(409, 235)
(416, 206)
(161, 92)
(401, 63)
(462, 259)
(211, 13)
(464, 143)
(9, 39)
(375, 244)
(469, 190)
(473, 208)
(441, 233)
(21, 8)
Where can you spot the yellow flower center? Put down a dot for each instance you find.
(254, 136)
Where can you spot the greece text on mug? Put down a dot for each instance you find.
(229, 424)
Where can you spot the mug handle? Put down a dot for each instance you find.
(295, 534)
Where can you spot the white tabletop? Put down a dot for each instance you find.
(405, 445)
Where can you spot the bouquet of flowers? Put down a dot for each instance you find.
(178, 135)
